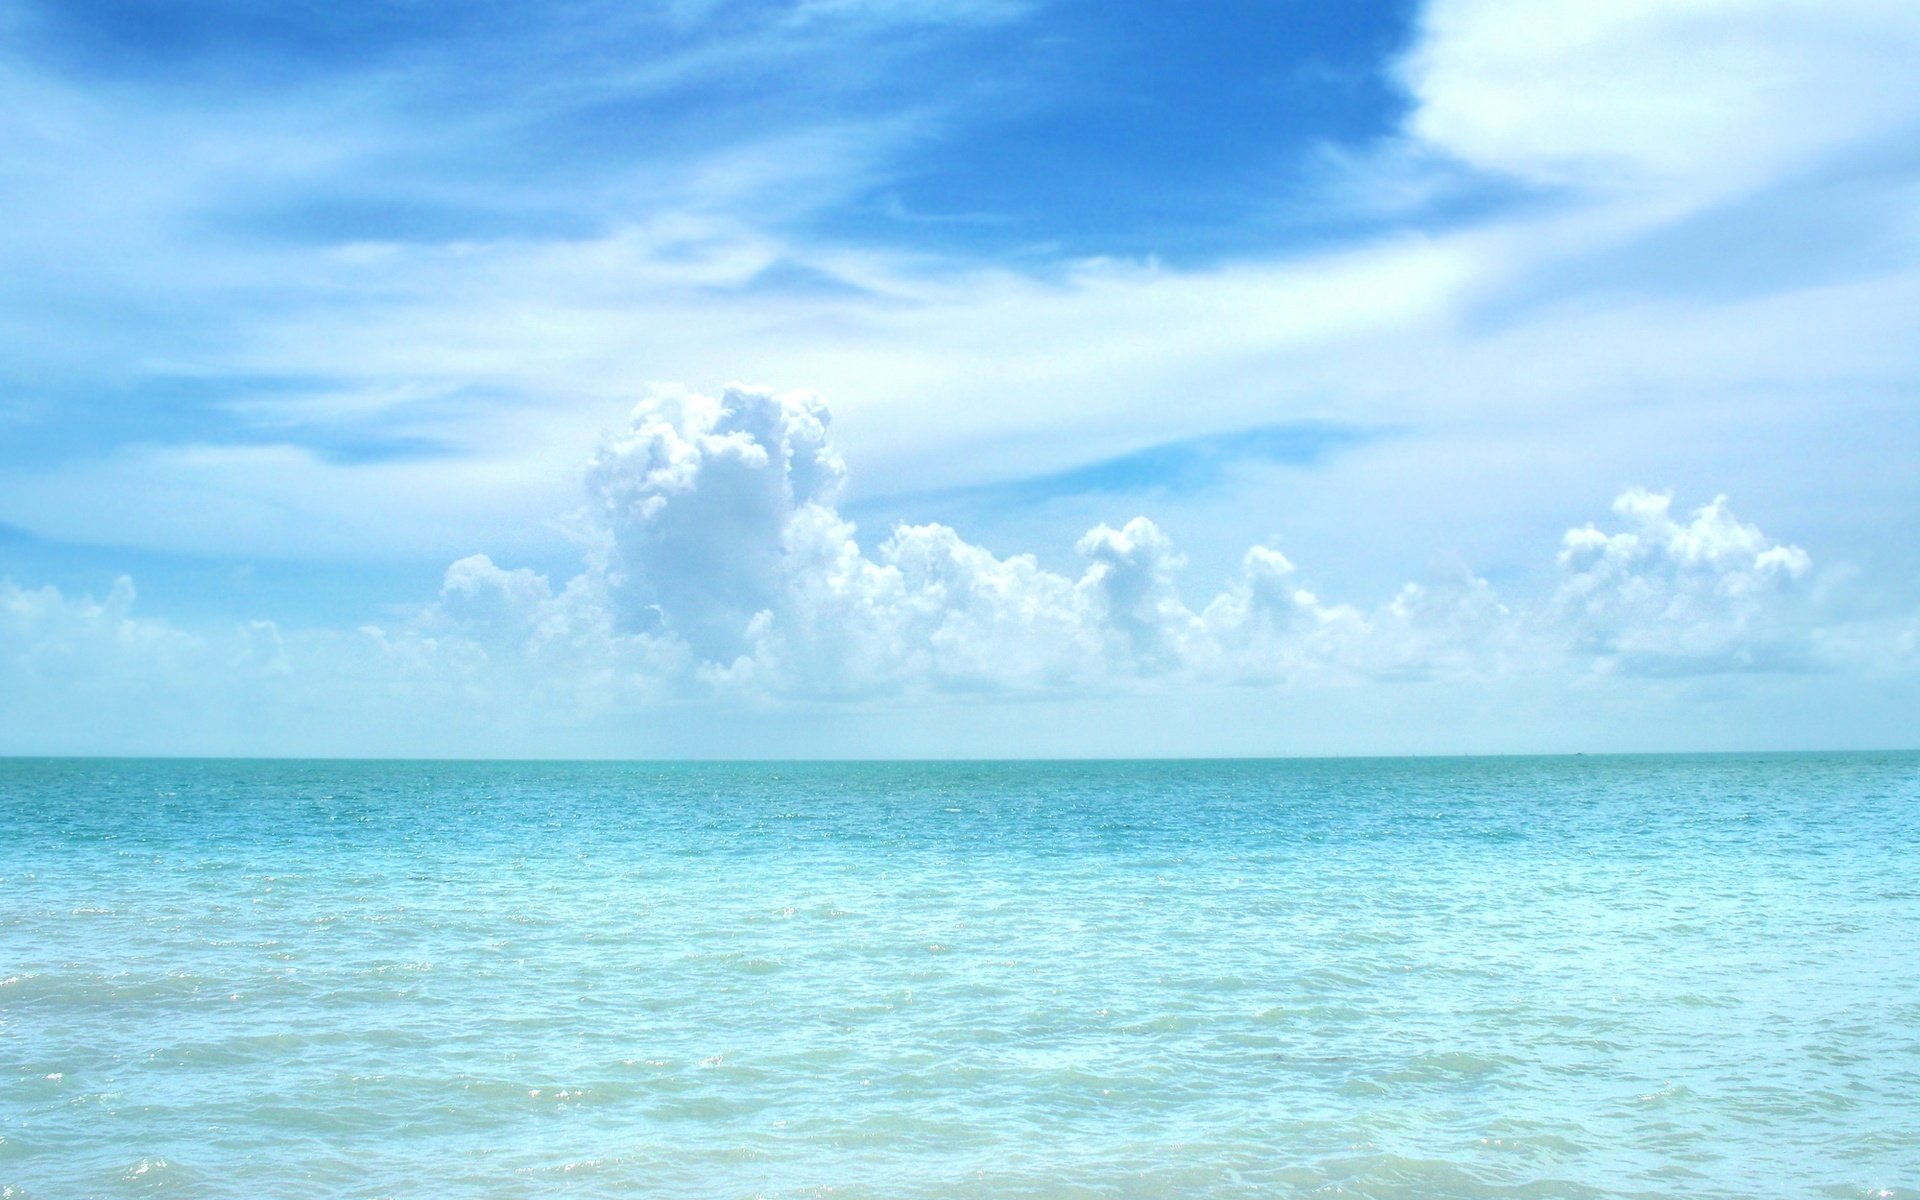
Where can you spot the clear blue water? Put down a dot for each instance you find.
(1425, 978)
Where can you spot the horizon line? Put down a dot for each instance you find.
(940, 761)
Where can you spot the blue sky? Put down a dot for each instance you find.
(304, 303)
(1022, 129)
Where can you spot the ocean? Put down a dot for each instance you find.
(1501, 977)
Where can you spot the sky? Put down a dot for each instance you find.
(870, 378)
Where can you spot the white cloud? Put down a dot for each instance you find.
(719, 572)
(713, 528)
(1696, 95)
(984, 622)
(1131, 590)
(49, 637)
(718, 562)
(1679, 595)
(706, 506)
(76, 670)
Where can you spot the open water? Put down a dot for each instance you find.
(1561, 977)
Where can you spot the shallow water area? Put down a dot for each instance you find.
(1590, 976)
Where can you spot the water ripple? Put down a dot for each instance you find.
(1462, 978)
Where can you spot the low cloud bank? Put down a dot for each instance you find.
(717, 568)
(717, 559)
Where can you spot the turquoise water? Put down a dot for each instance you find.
(1424, 978)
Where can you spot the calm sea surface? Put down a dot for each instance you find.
(1423, 978)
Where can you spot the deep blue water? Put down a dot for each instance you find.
(1586, 976)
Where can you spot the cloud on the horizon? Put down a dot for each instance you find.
(718, 567)
(1669, 595)
(714, 537)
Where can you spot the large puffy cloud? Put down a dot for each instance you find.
(1131, 589)
(718, 561)
(1269, 620)
(718, 570)
(705, 508)
(718, 567)
(712, 531)
(1706, 591)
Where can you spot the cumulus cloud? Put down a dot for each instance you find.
(717, 566)
(1701, 592)
(705, 508)
(72, 666)
(718, 562)
(714, 540)
(719, 578)
(48, 637)
(718, 570)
